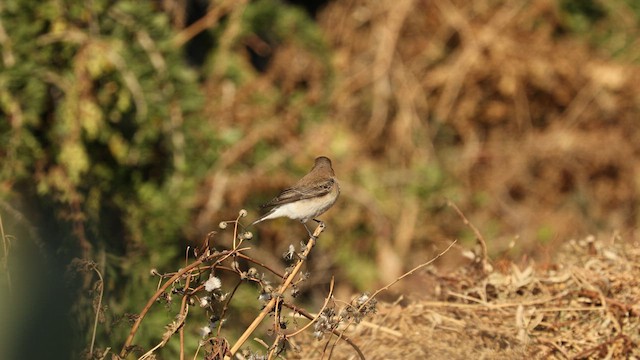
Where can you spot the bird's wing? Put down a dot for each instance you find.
(296, 193)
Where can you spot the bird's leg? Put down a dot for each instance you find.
(309, 231)
(320, 222)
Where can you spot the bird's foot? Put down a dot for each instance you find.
(320, 223)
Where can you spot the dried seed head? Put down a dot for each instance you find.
(222, 225)
(288, 255)
(243, 213)
(220, 297)
(205, 331)
(212, 284)
(264, 296)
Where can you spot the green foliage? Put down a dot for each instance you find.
(102, 123)
(101, 106)
(101, 116)
(582, 14)
(610, 25)
(277, 23)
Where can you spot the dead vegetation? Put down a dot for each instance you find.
(541, 124)
(496, 104)
(582, 306)
(535, 130)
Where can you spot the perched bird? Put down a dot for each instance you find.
(311, 196)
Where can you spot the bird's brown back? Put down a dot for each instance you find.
(319, 181)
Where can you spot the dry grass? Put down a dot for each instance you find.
(584, 306)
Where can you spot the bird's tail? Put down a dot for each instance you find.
(262, 218)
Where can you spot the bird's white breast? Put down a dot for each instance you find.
(305, 210)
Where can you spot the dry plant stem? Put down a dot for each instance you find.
(220, 267)
(204, 23)
(273, 350)
(407, 274)
(226, 306)
(248, 258)
(152, 300)
(176, 325)
(339, 337)
(480, 303)
(483, 243)
(183, 308)
(274, 299)
(552, 344)
(609, 301)
(341, 333)
(261, 342)
(95, 321)
(5, 257)
(326, 302)
(586, 353)
(195, 356)
(274, 346)
(335, 332)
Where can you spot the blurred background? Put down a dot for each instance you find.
(130, 129)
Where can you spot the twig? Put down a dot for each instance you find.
(226, 306)
(250, 259)
(95, 321)
(224, 255)
(483, 244)
(21, 220)
(195, 356)
(183, 308)
(171, 329)
(204, 23)
(555, 346)
(386, 287)
(335, 332)
(609, 301)
(5, 258)
(338, 338)
(480, 303)
(326, 302)
(261, 342)
(276, 297)
(410, 272)
(585, 354)
(273, 350)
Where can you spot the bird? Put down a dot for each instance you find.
(307, 199)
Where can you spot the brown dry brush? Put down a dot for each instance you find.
(525, 107)
(582, 306)
(199, 284)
